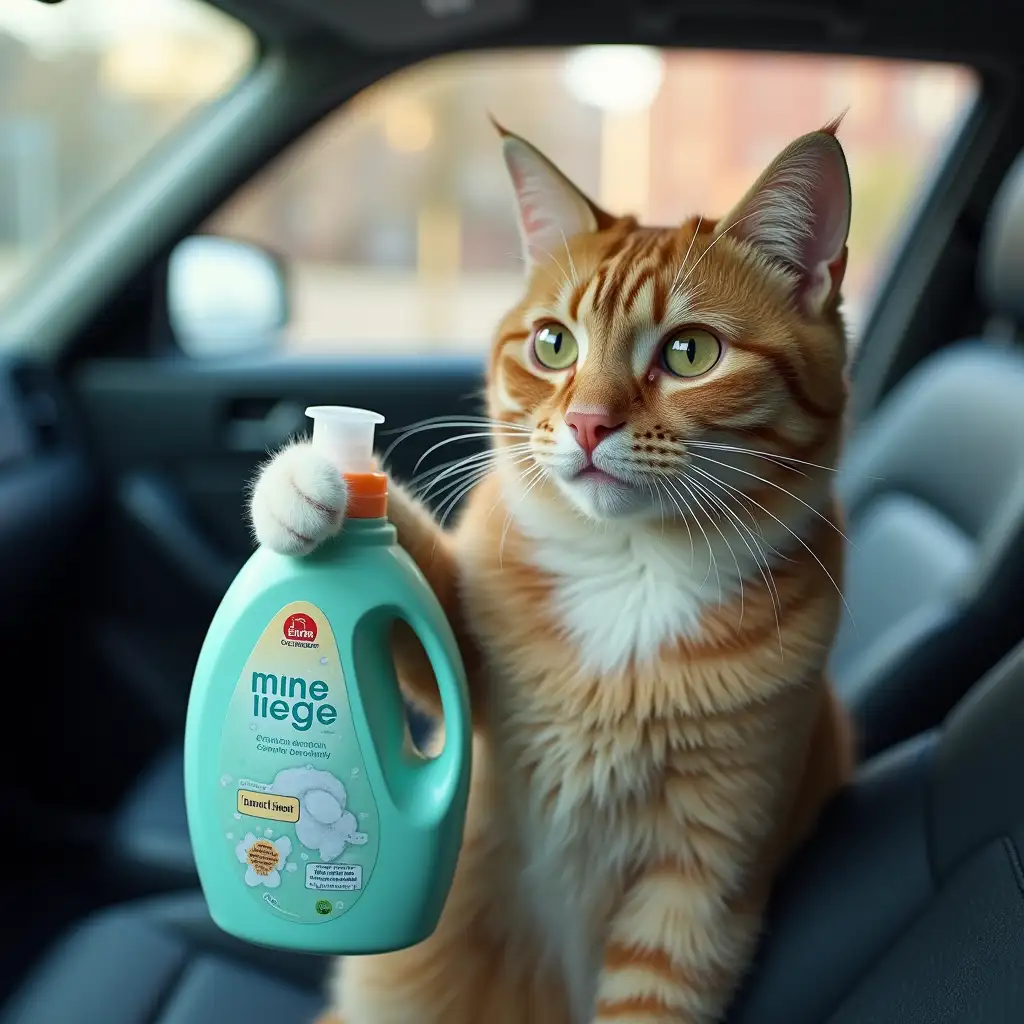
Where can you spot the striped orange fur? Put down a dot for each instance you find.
(646, 626)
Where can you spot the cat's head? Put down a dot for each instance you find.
(635, 349)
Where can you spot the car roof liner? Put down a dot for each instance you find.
(416, 29)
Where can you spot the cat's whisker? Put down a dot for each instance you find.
(499, 427)
(760, 559)
(473, 473)
(772, 456)
(671, 484)
(441, 422)
(762, 563)
(455, 493)
(550, 256)
(426, 480)
(743, 501)
(473, 476)
(778, 487)
(735, 561)
(767, 457)
(685, 517)
(807, 548)
(714, 241)
(686, 258)
(662, 488)
(534, 477)
(444, 493)
(454, 440)
(519, 477)
(461, 461)
(644, 482)
(539, 264)
(711, 550)
(572, 265)
(451, 493)
(714, 518)
(483, 430)
(453, 501)
(655, 496)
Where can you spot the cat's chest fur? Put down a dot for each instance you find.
(617, 598)
(620, 594)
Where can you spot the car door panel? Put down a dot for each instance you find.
(46, 488)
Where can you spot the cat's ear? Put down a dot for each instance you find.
(798, 215)
(551, 208)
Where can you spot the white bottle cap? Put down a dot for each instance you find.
(345, 436)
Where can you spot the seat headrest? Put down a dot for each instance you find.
(1001, 271)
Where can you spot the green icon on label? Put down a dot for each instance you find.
(323, 907)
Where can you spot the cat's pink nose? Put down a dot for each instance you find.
(590, 425)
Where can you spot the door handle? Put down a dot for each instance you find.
(257, 428)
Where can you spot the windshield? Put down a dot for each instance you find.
(86, 90)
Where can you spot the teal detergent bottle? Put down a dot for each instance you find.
(315, 823)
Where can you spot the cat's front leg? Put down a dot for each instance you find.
(678, 946)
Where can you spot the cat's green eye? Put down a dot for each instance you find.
(691, 353)
(554, 347)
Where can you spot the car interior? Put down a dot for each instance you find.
(124, 462)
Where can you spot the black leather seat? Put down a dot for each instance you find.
(163, 961)
(907, 907)
(933, 490)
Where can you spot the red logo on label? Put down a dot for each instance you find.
(300, 627)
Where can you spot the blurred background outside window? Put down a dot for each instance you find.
(86, 91)
(395, 215)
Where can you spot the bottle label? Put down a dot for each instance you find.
(300, 821)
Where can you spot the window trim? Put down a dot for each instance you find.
(908, 275)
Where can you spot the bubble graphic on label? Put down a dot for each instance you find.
(225, 780)
(323, 661)
(292, 867)
(229, 835)
(354, 773)
(339, 905)
(268, 832)
(238, 817)
(304, 856)
(363, 815)
(252, 728)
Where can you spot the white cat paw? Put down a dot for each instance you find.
(298, 501)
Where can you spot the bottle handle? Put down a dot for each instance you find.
(444, 774)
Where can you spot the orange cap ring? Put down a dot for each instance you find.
(367, 495)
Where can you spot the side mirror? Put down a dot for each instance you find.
(225, 297)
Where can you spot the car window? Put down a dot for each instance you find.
(395, 217)
(86, 89)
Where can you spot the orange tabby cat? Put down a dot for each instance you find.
(645, 584)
